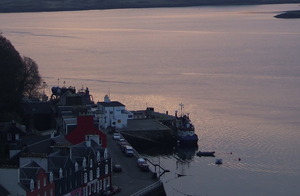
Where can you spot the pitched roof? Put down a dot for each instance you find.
(3, 191)
(29, 171)
(12, 127)
(37, 108)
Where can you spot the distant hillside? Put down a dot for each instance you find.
(65, 5)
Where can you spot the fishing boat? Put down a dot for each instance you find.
(186, 132)
(205, 154)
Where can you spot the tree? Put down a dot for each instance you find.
(19, 77)
(31, 81)
(11, 66)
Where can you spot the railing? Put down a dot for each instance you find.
(148, 189)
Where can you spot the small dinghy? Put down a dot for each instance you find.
(219, 162)
(206, 154)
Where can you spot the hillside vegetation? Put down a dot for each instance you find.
(65, 5)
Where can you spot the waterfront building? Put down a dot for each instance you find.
(112, 114)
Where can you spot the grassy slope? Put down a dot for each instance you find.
(59, 5)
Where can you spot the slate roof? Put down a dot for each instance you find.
(3, 191)
(37, 108)
(11, 127)
(42, 144)
(28, 172)
(80, 151)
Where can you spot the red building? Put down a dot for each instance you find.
(85, 126)
(36, 181)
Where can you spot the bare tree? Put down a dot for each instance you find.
(31, 80)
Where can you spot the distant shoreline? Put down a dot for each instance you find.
(16, 6)
(289, 14)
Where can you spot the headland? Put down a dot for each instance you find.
(289, 14)
(8, 6)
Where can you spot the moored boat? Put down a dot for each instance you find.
(205, 154)
(185, 132)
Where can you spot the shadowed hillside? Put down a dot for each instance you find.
(65, 5)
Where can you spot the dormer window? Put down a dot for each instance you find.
(105, 153)
(84, 163)
(91, 175)
(9, 136)
(51, 177)
(60, 173)
(31, 185)
(85, 177)
(98, 156)
(76, 166)
(91, 163)
(98, 172)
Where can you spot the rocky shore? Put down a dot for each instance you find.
(72, 5)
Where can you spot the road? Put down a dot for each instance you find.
(131, 179)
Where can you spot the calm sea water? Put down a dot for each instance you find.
(236, 69)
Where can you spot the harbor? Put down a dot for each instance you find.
(224, 63)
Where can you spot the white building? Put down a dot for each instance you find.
(112, 114)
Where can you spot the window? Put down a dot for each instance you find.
(76, 166)
(98, 172)
(105, 153)
(44, 181)
(98, 156)
(60, 173)
(51, 177)
(9, 137)
(84, 163)
(39, 184)
(91, 175)
(100, 185)
(104, 184)
(84, 191)
(85, 177)
(106, 168)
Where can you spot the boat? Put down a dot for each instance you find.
(185, 132)
(205, 154)
(219, 161)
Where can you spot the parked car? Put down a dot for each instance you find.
(115, 189)
(116, 136)
(142, 164)
(122, 145)
(117, 168)
(129, 151)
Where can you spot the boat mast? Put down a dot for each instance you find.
(181, 107)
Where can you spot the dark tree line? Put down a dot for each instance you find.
(19, 78)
